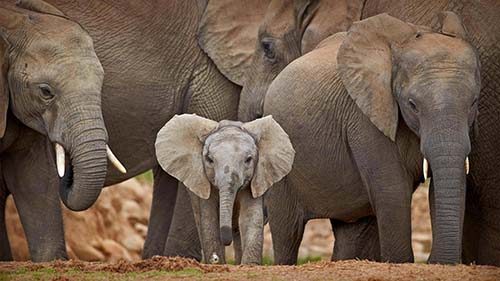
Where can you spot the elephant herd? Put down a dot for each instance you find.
(344, 108)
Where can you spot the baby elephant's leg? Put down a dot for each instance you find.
(251, 224)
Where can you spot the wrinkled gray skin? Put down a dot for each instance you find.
(435, 87)
(482, 215)
(227, 167)
(146, 71)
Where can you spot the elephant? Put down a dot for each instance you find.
(226, 165)
(151, 55)
(481, 21)
(47, 61)
(481, 234)
(365, 108)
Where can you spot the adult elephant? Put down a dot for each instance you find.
(154, 69)
(481, 21)
(50, 88)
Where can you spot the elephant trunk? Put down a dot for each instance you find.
(447, 159)
(85, 141)
(226, 204)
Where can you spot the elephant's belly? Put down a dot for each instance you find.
(326, 178)
(338, 194)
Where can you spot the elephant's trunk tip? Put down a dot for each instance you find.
(226, 235)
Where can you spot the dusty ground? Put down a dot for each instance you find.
(115, 228)
(160, 268)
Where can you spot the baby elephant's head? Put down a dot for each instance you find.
(230, 154)
(227, 155)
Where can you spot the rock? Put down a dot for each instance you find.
(88, 253)
(114, 251)
(141, 229)
(133, 242)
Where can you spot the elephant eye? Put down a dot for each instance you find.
(46, 92)
(268, 48)
(413, 105)
(209, 159)
(248, 160)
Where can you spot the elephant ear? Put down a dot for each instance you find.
(179, 147)
(330, 17)
(10, 23)
(276, 153)
(451, 24)
(40, 7)
(228, 33)
(4, 89)
(364, 63)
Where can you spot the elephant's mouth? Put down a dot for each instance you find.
(67, 179)
(83, 176)
(63, 165)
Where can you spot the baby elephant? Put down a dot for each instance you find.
(227, 166)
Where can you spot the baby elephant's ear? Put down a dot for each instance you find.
(40, 7)
(451, 24)
(179, 147)
(276, 154)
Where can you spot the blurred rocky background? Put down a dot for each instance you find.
(115, 227)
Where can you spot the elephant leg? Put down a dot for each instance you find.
(162, 210)
(31, 177)
(251, 222)
(5, 253)
(183, 239)
(237, 246)
(389, 190)
(287, 222)
(356, 240)
(206, 213)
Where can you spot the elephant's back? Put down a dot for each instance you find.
(309, 101)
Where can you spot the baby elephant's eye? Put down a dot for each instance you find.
(248, 160)
(46, 92)
(209, 159)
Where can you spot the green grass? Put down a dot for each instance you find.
(308, 260)
(146, 177)
(48, 274)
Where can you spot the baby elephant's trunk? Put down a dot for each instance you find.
(226, 203)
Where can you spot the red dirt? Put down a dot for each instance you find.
(345, 270)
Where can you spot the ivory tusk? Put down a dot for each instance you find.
(60, 159)
(467, 165)
(425, 168)
(115, 161)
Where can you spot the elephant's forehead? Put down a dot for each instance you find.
(230, 140)
(437, 47)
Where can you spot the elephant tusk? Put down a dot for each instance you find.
(60, 159)
(425, 168)
(115, 161)
(467, 166)
(214, 259)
